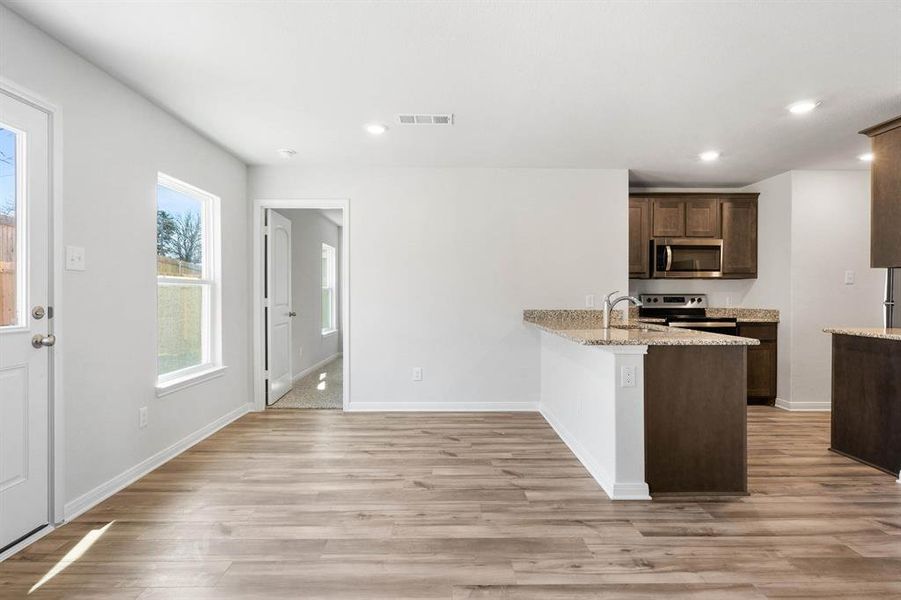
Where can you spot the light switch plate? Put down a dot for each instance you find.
(417, 373)
(589, 301)
(849, 277)
(75, 258)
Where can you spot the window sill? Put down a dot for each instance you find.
(175, 385)
(328, 332)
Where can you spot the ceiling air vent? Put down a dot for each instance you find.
(420, 119)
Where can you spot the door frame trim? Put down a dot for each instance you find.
(56, 425)
(258, 338)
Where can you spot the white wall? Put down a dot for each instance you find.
(443, 261)
(772, 288)
(309, 230)
(114, 143)
(830, 234)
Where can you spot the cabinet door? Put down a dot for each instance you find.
(669, 218)
(639, 237)
(702, 218)
(762, 363)
(739, 229)
(762, 371)
(885, 238)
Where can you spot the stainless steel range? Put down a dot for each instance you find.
(688, 311)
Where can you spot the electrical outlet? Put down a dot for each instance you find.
(589, 301)
(627, 377)
(142, 417)
(417, 373)
(849, 277)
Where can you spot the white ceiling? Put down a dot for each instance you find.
(638, 85)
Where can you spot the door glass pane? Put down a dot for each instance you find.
(326, 309)
(180, 327)
(9, 268)
(179, 234)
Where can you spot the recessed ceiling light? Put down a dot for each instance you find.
(709, 156)
(376, 128)
(287, 152)
(802, 107)
(868, 157)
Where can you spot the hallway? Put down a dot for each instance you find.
(322, 388)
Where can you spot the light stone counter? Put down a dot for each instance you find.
(880, 333)
(584, 327)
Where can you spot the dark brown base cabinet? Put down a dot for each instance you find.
(762, 361)
(866, 401)
(695, 420)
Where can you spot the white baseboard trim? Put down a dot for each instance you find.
(614, 491)
(312, 368)
(441, 407)
(26, 542)
(803, 406)
(103, 491)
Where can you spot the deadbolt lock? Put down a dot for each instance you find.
(38, 312)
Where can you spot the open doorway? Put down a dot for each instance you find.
(302, 306)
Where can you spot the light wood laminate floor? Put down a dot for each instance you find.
(325, 504)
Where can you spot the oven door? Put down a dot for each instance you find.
(678, 258)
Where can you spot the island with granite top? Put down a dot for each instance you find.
(649, 410)
(866, 396)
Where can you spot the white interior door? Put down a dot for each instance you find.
(279, 309)
(24, 295)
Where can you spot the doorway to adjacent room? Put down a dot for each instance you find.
(302, 301)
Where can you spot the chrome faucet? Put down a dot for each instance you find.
(609, 304)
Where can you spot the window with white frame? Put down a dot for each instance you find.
(188, 295)
(329, 276)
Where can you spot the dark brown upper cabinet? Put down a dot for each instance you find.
(686, 217)
(702, 218)
(739, 229)
(732, 217)
(669, 218)
(885, 182)
(639, 237)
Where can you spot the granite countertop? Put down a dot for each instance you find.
(584, 327)
(881, 333)
(744, 315)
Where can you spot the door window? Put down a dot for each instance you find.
(12, 233)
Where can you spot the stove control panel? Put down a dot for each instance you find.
(673, 300)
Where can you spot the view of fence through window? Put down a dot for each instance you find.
(8, 267)
(179, 249)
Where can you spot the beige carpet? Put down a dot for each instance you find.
(323, 388)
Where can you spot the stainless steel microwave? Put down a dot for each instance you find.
(686, 258)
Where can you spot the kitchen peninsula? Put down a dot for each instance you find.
(647, 409)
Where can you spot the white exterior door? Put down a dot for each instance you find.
(24, 295)
(279, 311)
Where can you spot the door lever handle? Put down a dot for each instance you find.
(292, 314)
(40, 341)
